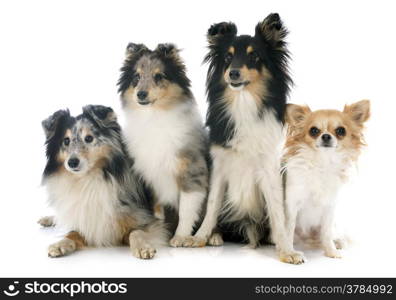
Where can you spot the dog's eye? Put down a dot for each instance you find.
(136, 79)
(314, 131)
(253, 56)
(88, 139)
(66, 141)
(158, 77)
(228, 58)
(340, 131)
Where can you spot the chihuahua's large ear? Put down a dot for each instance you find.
(295, 114)
(51, 123)
(132, 49)
(221, 30)
(103, 116)
(272, 30)
(359, 112)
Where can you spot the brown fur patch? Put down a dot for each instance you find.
(231, 50)
(77, 238)
(126, 225)
(301, 119)
(249, 49)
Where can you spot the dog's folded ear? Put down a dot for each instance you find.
(133, 49)
(359, 111)
(272, 30)
(51, 123)
(168, 50)
(296, 114)
(221, 30)
(102, 115)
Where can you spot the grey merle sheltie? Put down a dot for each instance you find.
(92, 186)
(247, 86)
(165, 133)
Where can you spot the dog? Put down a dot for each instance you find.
(93, 187)
(320, 148)
(247, 86)
(165, 134)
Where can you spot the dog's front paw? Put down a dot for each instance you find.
(187, 241)
(333, 253)
(61, 248)
(216, 240)
(295, 258)
(46, 221)
(144, 251)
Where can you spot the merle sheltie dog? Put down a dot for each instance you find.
(92, 186)
(165, 134)
(247, 87)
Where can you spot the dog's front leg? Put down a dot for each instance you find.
(271, 186)
(70, 243)
(327, 233)
(190, 204)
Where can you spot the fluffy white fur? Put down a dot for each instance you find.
(155, 138)
(86, 204)
(250, 169)
(313, 179)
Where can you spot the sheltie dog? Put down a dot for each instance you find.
(165, 134)
(247, 86)
(92, 185)
(320, 148)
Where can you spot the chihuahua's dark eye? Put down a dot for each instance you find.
(228, 58)
(66, 141)
(314, 131)
(158, 77)
(340, 131)
(136, 79)
(88, 139)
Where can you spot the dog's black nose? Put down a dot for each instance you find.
(142, 95)
(326, 137)
(235, 74)
(73, 162)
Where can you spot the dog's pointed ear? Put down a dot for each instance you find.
(296, 114)
(359, 111)
(132, 49)
(168, 50)
(272, 30)
(51, 123)
(221, 30)
(103, 116)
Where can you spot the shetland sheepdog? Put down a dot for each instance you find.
(165, 134)
(320, 148)
(92, 186)
(247, 87)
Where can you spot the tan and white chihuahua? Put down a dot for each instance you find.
(320, 148)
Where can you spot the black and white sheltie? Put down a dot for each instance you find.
(247, 87)
(92, 186)
(165, 133)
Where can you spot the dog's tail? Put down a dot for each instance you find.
(157, 233)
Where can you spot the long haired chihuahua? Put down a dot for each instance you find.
(93, 187)
(320, 148)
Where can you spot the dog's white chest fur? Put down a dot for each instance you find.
(155, 138)
(254, 148)
(316, 177)
(86, 205)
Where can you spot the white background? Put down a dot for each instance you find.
(57, 54)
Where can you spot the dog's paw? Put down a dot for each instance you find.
(216, 240)
(61, 248)
(295, 258)
(332, 253)
(340, 243)
(46, 221)
(144, 251)
(187, 241)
